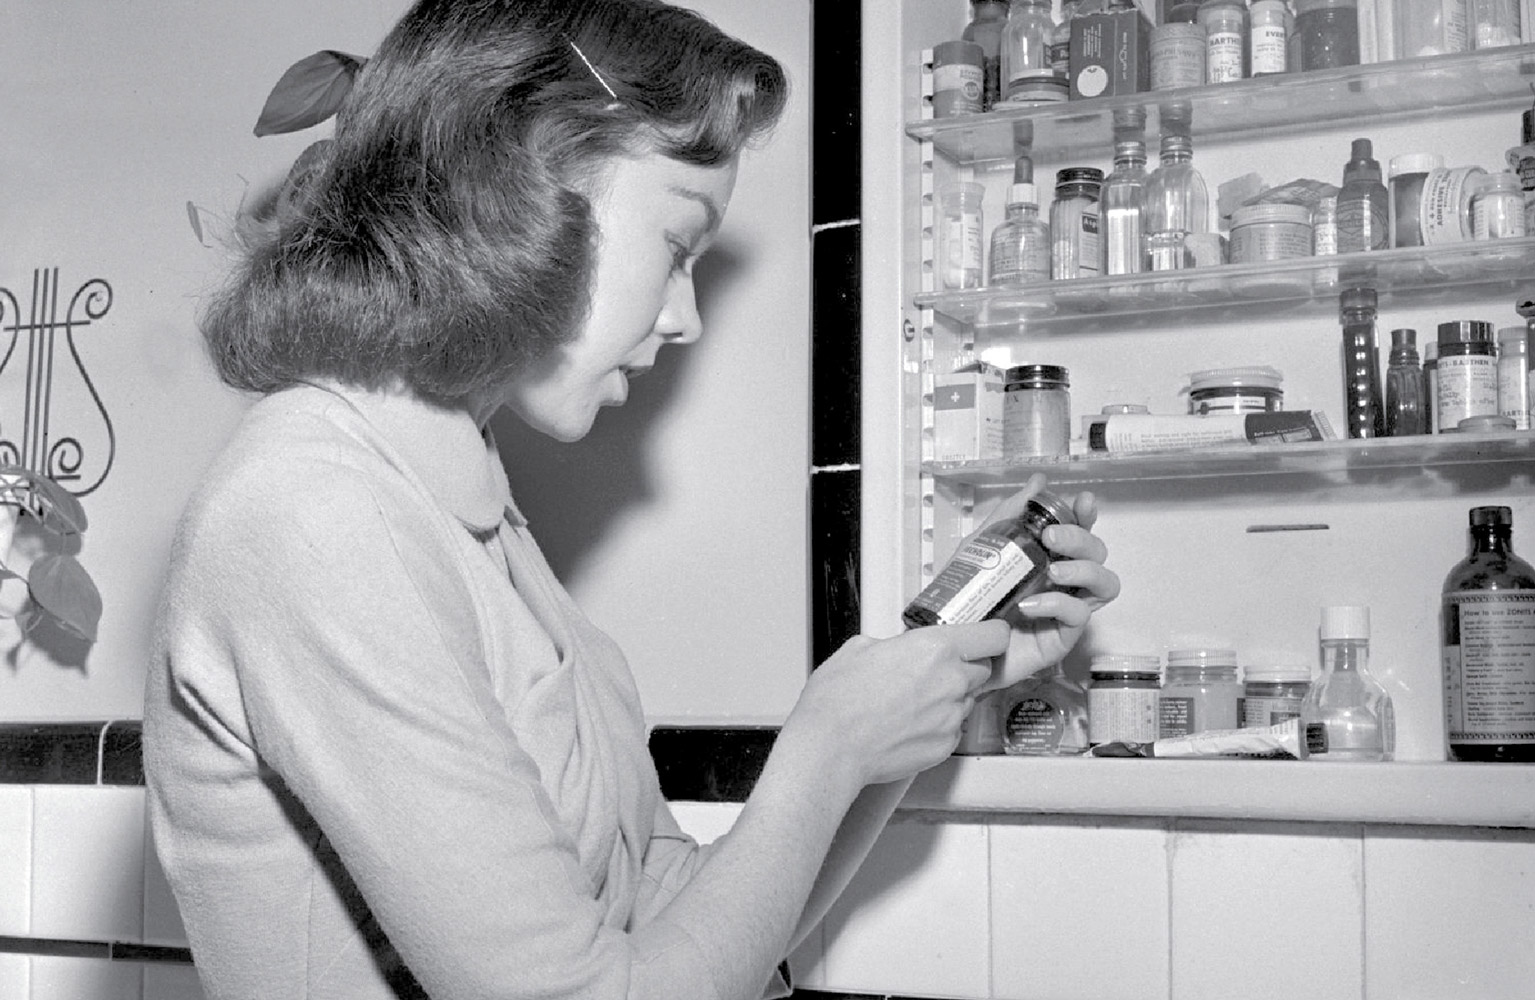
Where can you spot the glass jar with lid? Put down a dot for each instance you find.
(1200, 692)
(1273, 693)
(1122, 700)
(1253, 389)
(1326, 35)
(1036, 412)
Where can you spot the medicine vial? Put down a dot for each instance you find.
(1404, 207)
(994, 570)
(1044, 716)
(1268, 37)
(1497, 207)
(1075, 246)
(1488, 648)
(1036, 412)
(1466, 374)
(1020, 245)
(1123, 698)
(1225, 24)
(960, 236)
(1346, 700)
(1177, 55)
(1200, 691)
(1514, 376)
(959, 78)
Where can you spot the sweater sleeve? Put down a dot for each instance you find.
(356, 645)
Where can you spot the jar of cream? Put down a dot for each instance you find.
(1270, 232)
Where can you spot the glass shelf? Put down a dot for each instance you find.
(1429, 793)
(1270, 106)
(1308, 458)
(1489, 266)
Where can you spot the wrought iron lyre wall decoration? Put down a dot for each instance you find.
(55, 389)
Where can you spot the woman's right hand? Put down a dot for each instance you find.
(894, 707)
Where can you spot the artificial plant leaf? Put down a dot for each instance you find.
(62, 587)
(197, 223)
(309, 92)
(62, 511)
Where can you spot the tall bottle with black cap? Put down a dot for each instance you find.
(1362, 404)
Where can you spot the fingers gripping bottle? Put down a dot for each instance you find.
(994, 570)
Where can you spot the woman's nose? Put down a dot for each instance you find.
(679, 322)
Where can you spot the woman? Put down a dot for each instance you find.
(386, 755)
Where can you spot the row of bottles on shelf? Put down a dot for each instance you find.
(1136, 706)
(1473, 377)
(1132, 221)
(1027, 53)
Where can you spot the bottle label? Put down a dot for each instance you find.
(962, 250)
(1362, 225)
(1020, 258)
(1489, 676)
(1467, 386)
(1514, 390)
(1268, 48)
(1223, 56)
(1122, 713)
(1256, 713)
(979, 577)
(1176, 716)
(1032, 726)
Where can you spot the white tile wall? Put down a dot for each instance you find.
(1449, 916)
(1265, 911)
(915, 918)
(15, 976)
(85, 979)
(171, 982)
(1062, 889)
(88, 862)
(15, 863)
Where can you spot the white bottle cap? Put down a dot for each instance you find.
(1346, 622)
(1413, 163)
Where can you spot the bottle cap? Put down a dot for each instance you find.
(1486, 422)
(1256, 376)
(1278, 673)
(1501, 180)
(1517, 335)
(1078, 175)
(1361, 163)
(1022, 194)
(1357, 298)
(1202, 657)
(1465, 331)
(1130, 149)
(1051, 376)
(1414, 163)
(1126, 663)
(1430, 351)
(1059, 510)
(1492, 517)
(1404, 338)
(1346, 622)
(1266, 212)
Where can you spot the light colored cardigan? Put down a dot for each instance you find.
(386, 754)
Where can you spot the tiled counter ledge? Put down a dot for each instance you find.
(1399, 792)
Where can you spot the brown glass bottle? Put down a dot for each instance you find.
(991, 572)
(1488, 632)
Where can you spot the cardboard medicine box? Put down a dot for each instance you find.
(967, 414)
(1110, 54)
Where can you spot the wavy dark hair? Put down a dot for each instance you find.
(445, 237)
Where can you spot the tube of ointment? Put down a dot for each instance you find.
(1142, 432)
(1283, 739)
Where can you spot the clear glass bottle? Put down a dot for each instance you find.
(1514, 375)
(1363, 222)
(1488, 650)
(1045, 715)
(1020, 245)
(1200, 692)
(960, 236)
(1028, 78)
(1076, 250)
(1324, 226)
(1361, 364)
(988, 22)
(1404, 386)
(1123, 206)
(1177, 204)
(1431, 387)
(1346, 700)
(1060, 39)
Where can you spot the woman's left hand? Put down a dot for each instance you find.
(1047, 625)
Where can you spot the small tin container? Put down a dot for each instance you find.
(1257, 389)
(1270, 232)
(959, 78)
(1177, 55)
(1200, 691)
(1272, 694)
(1036, 412)
(1122, 701)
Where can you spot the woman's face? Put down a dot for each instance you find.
(654, 219)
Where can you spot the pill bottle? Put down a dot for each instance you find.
(1497, 207)
(1257, 389)
(1268, 37)
(1225, 24)
(1123, 697)
(1324, 226)
(1036, 412)
(1466, 376)
(1514, 375)
(1270, 232)
(1177, 55)
(1200, 691)
(1445, 208)
(959, 78)
(1406, 174)
(1076, 247)
(959, 236)
(1000, 566)
(1108, 411)
(1272, 694)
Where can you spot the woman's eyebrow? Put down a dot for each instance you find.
(711, 209)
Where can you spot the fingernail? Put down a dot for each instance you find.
(1056, 571)
(1029, 603)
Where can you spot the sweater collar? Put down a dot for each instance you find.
(446, 450)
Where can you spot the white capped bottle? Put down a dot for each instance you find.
(1352, 707)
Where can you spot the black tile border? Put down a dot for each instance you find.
(109, 951)
(71, 753)
(710, 763)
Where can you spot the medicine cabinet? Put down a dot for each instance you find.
(1235, 546)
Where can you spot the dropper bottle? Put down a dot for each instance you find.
(1521, 160)
(1020, 245)
(1363, 222)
